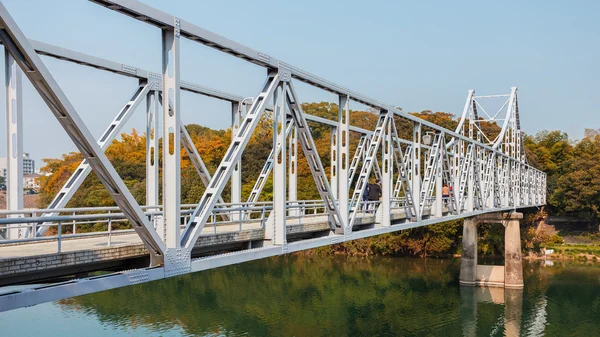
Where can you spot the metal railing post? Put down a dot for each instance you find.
(109, 232)
(59, 236)
(74, 225)
(33, 224)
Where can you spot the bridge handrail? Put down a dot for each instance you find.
(81, 219)
(104, 208)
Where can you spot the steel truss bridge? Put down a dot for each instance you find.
(485, 172)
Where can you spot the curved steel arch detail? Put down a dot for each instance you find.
(509, 139)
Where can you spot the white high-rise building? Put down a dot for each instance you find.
(28, 165)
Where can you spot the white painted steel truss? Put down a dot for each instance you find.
(483, 173)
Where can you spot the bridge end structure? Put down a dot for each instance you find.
(508, 276)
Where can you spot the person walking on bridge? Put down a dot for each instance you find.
(365, 197)
(374, 193)
(445, 194)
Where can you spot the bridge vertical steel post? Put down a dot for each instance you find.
(481, 178)
(513, 182)
(544, 191)
(152, 177)
(505, 181)
(456, 162)
(152, 110)
(343, 152)
(387, 173)
(534, 188)
(279, 165)
(416, 168)
(334, 161)
(236, 175)
(14, 141)
(528, 180)
(293, 171)
(471, 180)
(171, 139)
(491, 200)
(542, 188)
(439, 203)
(518, 184)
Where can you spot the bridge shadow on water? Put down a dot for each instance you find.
(339, 296)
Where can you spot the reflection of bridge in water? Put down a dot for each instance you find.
(413, 297)
(485, 173)
(512, 299)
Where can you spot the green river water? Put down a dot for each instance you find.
(328, 296)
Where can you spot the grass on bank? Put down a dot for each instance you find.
(575, 249)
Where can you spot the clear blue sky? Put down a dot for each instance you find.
(419, 55)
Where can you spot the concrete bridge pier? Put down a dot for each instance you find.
(513, 260)
(511, 274)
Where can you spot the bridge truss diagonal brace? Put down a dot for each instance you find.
(206, 205)
(195, 158)
(431, 168)
(83, 170)
(448, 176)
(464, 169)
(44, 83)
(267, 168)
(406, 156)
(367, 167)
(314, 161)
(358, 154)
(402, 166)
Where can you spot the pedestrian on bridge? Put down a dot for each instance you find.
(445, 194)
(365, 196)
(374, 193)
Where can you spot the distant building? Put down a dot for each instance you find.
(30, 181)
(28, 165)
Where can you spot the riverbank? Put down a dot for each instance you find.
(567, 252)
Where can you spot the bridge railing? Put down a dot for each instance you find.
(79, 223)
(74, 223)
